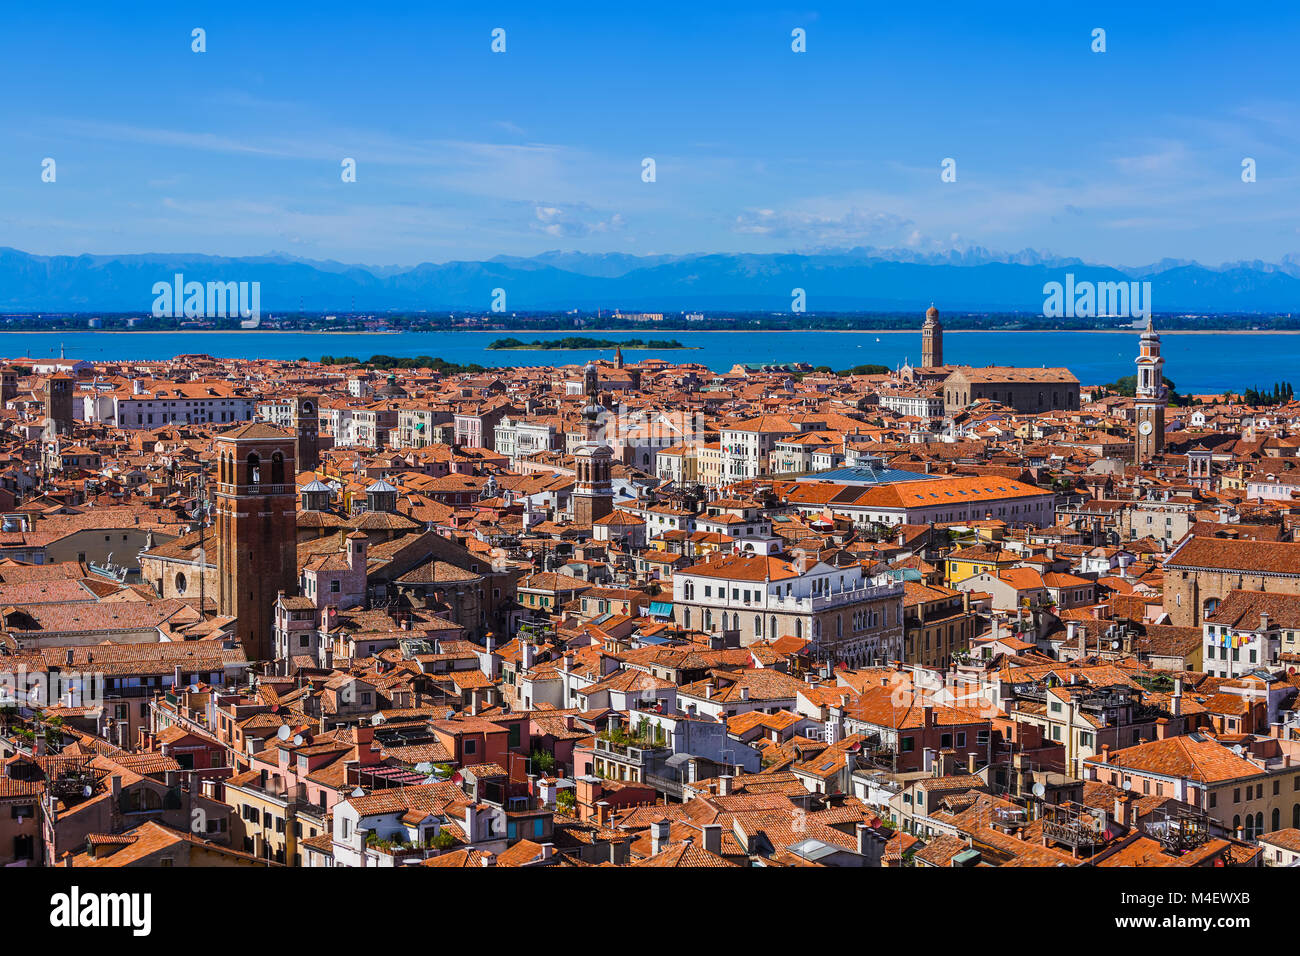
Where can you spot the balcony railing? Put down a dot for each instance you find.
(638, 753)
(261, 488)
(834, 598)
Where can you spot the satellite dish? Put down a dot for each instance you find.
(283, 732)
(87, 790)
(358, 792)
(424, 767)
(1114, 645)
(1040, 791)
(297, 740)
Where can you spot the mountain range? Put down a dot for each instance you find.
(836, 280)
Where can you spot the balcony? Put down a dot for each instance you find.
(262, 488)
(670, 785)
(834, 598)
(639, 753)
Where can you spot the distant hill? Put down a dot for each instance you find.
(834, 281)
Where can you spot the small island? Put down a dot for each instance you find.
(578, 342)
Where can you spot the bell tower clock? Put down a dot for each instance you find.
(1152, 398)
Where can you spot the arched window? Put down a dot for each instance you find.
(773, 622)
(254, 469)
(758, 625)
(277, 469)
(1277, 818)
(798, 630)
(686, 619)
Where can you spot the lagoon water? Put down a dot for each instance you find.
(1196, 362)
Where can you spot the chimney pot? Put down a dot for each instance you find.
(659, 831)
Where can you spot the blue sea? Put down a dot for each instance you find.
(1195, 362)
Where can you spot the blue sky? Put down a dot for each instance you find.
(1124, 157)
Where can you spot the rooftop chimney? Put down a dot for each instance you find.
(658, 836)
(712, 838)
(867, 844)
(1123, 812)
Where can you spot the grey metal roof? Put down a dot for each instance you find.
(856, 475)
(811, 849)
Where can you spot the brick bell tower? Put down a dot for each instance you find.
(1152, 397)
(256, 507)
(931, 339)
(58, 404)
(593, 492)
(306, 429)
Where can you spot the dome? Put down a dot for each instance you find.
(932, 312)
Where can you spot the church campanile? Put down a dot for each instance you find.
(257, 529)
(593, 493)
(1152, 397)
(931, 339)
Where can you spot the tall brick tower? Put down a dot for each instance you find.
(58, 403)
(1152, 397)
(931, 339)
(8, 384)
(593, 494)
(257, 529)
(306, 427)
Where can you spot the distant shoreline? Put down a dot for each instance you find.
(199, 332)
(531, 348)
(594, 348)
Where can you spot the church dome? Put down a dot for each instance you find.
(931, 313)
